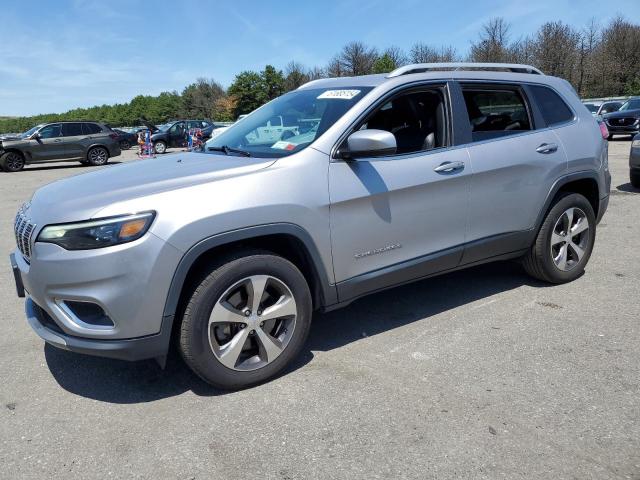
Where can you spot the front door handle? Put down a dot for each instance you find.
(547, 148)
(449, 167)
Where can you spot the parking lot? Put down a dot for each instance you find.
(482, 373)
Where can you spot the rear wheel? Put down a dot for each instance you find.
(125, 145)
(246, 320)
(97, 156)
(160, 147)
(12, 162)
(565, 241)
(634, 177)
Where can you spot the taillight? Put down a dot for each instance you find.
(603, 129)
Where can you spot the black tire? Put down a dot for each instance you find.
(194, 334)
(125, 145)
(634, 178)
(97, 156)
(12, 162)
(162, 145)
(539, 263)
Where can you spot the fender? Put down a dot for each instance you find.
(561, 182)
(328, 291)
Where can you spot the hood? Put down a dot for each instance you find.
(6, 137)
(624, 113)
(149, 125)
(81, 197)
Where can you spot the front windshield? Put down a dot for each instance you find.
(289, 123)
(29, 132)
(631, 105)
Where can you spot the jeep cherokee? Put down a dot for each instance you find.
(428, 169)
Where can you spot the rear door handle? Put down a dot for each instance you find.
(449, 167)
(547, 148)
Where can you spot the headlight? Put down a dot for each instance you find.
(635, 144)
(99, 233)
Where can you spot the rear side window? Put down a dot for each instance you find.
(496, 112)
(71, 129)
(554, 110)
(91, 128)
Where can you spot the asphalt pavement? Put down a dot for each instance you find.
(483, 373)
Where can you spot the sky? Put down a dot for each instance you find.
(58, 55)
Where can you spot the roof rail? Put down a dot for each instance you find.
(425, 67)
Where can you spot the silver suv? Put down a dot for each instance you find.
(388, 179)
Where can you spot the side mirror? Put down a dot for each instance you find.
(370, 143)
(35, 136)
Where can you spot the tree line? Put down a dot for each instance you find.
(599, 61)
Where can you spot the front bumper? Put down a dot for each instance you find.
(153, 346)
(626, 129)
(128, 282)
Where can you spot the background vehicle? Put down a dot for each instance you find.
(609, 107)
(174, 134)
(397, 178)
(626, 121)
(126, 139)
(634, 162)
(89, 143)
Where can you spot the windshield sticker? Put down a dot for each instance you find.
(282, 145)
(340, 94)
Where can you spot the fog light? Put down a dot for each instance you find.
(89, 313)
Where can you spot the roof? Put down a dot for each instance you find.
(435, 71)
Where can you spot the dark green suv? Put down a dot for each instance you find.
(90, 143)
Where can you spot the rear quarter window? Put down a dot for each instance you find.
(91, 128)
(553, 108)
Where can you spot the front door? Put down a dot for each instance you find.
(177, 135)
(47, 144)
(402, 216)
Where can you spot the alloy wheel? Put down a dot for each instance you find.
(569, 239)
(252, 322)
(13, 162)
(98, 156)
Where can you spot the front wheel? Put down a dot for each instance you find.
(565, 241)
(12, 162)
(160, 147)
(246, 320)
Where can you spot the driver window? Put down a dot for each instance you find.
(50, 131)
(178, 128)
(416, 119)
(495, 112)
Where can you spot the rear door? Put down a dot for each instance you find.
(73, 139)
(514, 165)
(48, 145)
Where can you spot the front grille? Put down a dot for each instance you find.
(23, 230)
(622, 122)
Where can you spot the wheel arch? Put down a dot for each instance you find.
(287, 240)
(584, 183)
(95, 145)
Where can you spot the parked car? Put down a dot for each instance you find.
(626, 121)
(174, 134)
(429, 169)
(609, 107)
(634, 162)
(126, 139)
(90, 143)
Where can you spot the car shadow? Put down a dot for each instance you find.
(116, 381)
(61, 167)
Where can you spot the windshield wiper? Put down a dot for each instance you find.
(227, 150)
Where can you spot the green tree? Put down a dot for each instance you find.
(247, 90)
(273, 82)
(384, 64)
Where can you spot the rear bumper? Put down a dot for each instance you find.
(153, 346)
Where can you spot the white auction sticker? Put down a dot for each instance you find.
(282, 145)
(341, 94)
